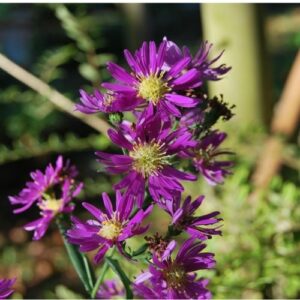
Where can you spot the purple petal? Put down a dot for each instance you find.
(107, 204)
(182, 101)
(97, 213)
(120, 74)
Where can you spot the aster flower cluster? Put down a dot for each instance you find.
(168, 139)
(51, 192)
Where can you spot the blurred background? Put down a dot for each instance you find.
(67, 47)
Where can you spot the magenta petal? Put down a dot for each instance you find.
(179, 66)
(182, 101)
(131, 62)
(169, 171)
(127, 180)
(143, 277)
(97, 213)
(152, 56)
(117, 87)
(119, 73)
(101, 252)
(118, 139)
(107, 204)
(170, 248)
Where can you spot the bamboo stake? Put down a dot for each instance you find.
(58, 99)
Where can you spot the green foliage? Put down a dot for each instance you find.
(257, 255)
(49, 65)
(80, 29)
(73, 28)
(54, 144)
(31, 124)
(63, 292)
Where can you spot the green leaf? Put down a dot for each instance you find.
(115, 266)
(140, 250)
(103, 58)
(89, 72)
(74, 28)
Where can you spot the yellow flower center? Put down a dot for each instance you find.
(148, 158)
(111, 229)
(108, 99)
(206, 155)
(152, 88)
(51, 204)
(175, 276)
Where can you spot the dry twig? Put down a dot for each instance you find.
(58, 99)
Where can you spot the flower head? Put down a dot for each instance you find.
(151, 146)
(200, 61)
(6, 287)
(192, 118)
(167, 90)
(110, 228)
(51, 191)
(108, 102)
(205, 159)
(183, 218)
(170, 278)
(110, 290)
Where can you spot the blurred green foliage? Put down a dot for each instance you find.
(257, 257)
(32, 125)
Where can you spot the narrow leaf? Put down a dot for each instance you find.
(140, 250)
(115, 266)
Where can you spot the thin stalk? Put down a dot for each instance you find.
(77, 258)
(104, 269)
(90, 275)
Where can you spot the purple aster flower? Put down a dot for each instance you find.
(108, 102)
(183, 218)
(111, 228)
(192, 117)
(151, 148)
(200, 61)
(6, 287)
(143, 291)
(206, 153)
(52, 192)
(170, 278)
(167, 90)
(110, 290)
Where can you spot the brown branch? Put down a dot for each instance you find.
(287, 112)
(285, 120)
(58, 99)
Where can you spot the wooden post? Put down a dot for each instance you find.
(234, 27)
(136, 18)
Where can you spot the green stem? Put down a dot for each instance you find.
(77, 258)
(89, 273)
(104, 269)
(115, 266)
(99, 280)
